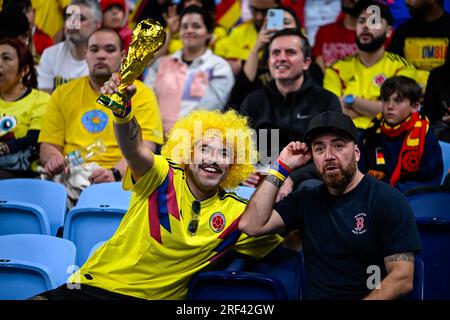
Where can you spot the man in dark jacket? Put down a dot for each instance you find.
(289, 102)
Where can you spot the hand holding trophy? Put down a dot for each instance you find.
(148, 37)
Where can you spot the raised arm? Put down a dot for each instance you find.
(259, 218)
(137, 152)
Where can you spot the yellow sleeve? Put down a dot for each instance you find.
(38, 109)
(150, 181)
(146, 110)
(257, 247)
(54, 123)
(332, 81)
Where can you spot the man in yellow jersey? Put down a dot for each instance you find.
(180, 218)
(75, 120)
(357, 79)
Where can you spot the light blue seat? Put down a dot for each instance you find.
(22, 217)
(96, 217)
(445, 146)
(106, 194)
(20, 280)
(245, 192)
(95, 247)
(85, 227)
(49, 195)
(33, 261)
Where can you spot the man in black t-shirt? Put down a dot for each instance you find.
(359, 235)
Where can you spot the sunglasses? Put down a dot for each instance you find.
(193, 224)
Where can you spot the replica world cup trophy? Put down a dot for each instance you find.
(148, 37)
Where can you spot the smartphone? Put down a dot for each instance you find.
(275, 19)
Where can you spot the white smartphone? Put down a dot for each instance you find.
(275, 19)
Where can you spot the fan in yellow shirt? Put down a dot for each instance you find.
(74, 119)
(180, 219)
(357, 79)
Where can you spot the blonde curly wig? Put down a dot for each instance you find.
(232, 127)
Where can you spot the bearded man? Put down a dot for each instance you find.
(359, 235)
(357, 79)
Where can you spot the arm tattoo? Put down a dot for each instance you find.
(406, 256)
(135, 130)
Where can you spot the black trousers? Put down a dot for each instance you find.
(81, 292)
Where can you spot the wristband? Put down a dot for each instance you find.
(274, 180)
(126, 117)
(116, 174)
(280, 170)
(277, 174)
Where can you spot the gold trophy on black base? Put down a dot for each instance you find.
(148, 37)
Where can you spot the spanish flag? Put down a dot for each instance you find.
(228, 13)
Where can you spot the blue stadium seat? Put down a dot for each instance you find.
(95, 217)
(419, 280)
(95, 247)
(283, 264)
(22, 217)
(20, 280)
(244, 191)
(445, 146)
(33, 261)
(235, 285)
(50, 196)
(104, 194)
(432, 212)
(85, 227)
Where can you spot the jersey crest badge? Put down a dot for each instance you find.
(378, 80)
(217, 222)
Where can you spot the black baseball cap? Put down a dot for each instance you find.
(329, 122)
(384, 10)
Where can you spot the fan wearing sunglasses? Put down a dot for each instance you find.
(180, 218)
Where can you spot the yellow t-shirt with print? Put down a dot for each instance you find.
(17, 117)
(74, 119)
(152, 255)
(349, 76)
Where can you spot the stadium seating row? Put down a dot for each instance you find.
(101, 208)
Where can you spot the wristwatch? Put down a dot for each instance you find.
(349, 99)
(116, 174)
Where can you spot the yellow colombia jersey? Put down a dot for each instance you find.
(350, 76)
(152, 255)
(74, 119)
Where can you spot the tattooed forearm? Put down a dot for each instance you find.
(135, 130)
(407, 256)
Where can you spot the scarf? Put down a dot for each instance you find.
(414, 128)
